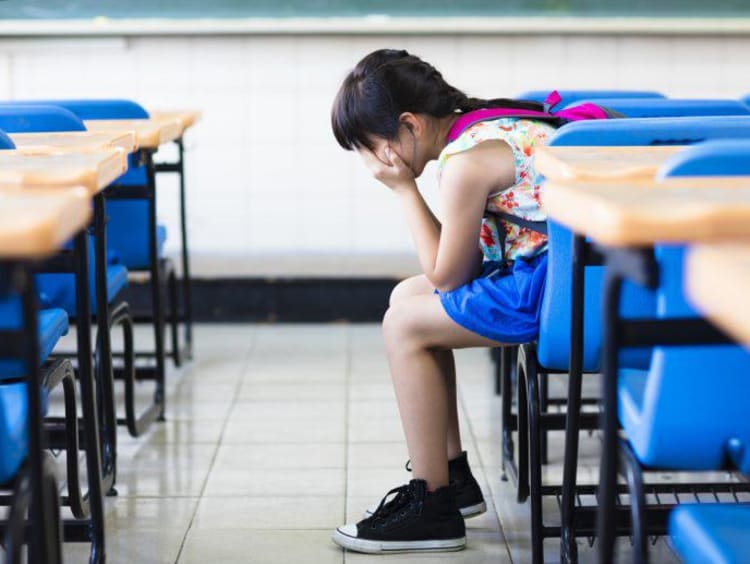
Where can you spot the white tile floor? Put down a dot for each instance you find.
(278, 433)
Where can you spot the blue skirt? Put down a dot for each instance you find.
(503, 303)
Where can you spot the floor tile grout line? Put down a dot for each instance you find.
(484, 475)
(347, 409)
(238, 386)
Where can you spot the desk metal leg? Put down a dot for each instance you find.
(41, 539)
(609, 457)
(568, 547)
(104, 372)
(186, 281)
(88, 399)
(156, 288)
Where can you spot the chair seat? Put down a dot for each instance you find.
(13, 436)
(58, 290)
(712, 533)
(52, 325)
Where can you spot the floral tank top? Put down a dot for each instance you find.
(523, 199)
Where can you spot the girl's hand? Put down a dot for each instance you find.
(396, 174)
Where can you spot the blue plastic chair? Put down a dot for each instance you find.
(34, 118)
(652, 131)
(571, 96)
(85, 109)
(711, 533)
(53, 324)
(670, 107)
(713, 158)
(5, 141)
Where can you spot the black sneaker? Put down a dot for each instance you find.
(469, 496)
(414, 521)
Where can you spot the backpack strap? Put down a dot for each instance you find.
(538, 226)
(580, 112)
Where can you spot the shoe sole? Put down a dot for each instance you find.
(473, 510)
(396, 547)
(466, 512)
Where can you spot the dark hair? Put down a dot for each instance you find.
(388, 82)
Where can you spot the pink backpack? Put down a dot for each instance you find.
(576, 113)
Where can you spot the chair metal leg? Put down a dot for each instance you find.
(543, 406)
(522, 492)
(528, 377)
(508, 422)
(631, 469)
(137, 423)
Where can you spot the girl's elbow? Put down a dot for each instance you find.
(447, 285)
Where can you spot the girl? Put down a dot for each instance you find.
(398, 113)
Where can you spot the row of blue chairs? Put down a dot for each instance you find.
(90, 274)
(651, 378)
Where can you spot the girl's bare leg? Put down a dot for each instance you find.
(417, 334)
(420, 286)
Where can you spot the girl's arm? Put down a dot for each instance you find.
(449, 253)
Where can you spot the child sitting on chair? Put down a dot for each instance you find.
(483, 274)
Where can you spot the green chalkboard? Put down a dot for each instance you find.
(69, 9)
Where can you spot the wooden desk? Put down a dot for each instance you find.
(36, 223)
(93, 170)
(186, 118)
(73, 141)
(642, 213)
(149, 133)
(717, 281)
(601, 163)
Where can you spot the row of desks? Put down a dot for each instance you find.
(36, 218)
(611, 195)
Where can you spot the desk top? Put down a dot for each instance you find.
(642, 213)
(186, 118)
(149, 133)
(601, 163)
(94, 170)
(36, 223)
(717, 280)
(73, 141)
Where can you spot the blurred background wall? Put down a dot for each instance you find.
(270, 192)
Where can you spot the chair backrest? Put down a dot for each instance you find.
(652, 131)
(694, 408)
(570, 96)
(37, 118)
(696, 398)
(670, 107)
(6, 142)
(712, 158)
(553, 348)
(94, 109)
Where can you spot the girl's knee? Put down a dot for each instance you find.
(399, 324)
(413, 286)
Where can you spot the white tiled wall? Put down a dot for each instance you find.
(269, 190)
